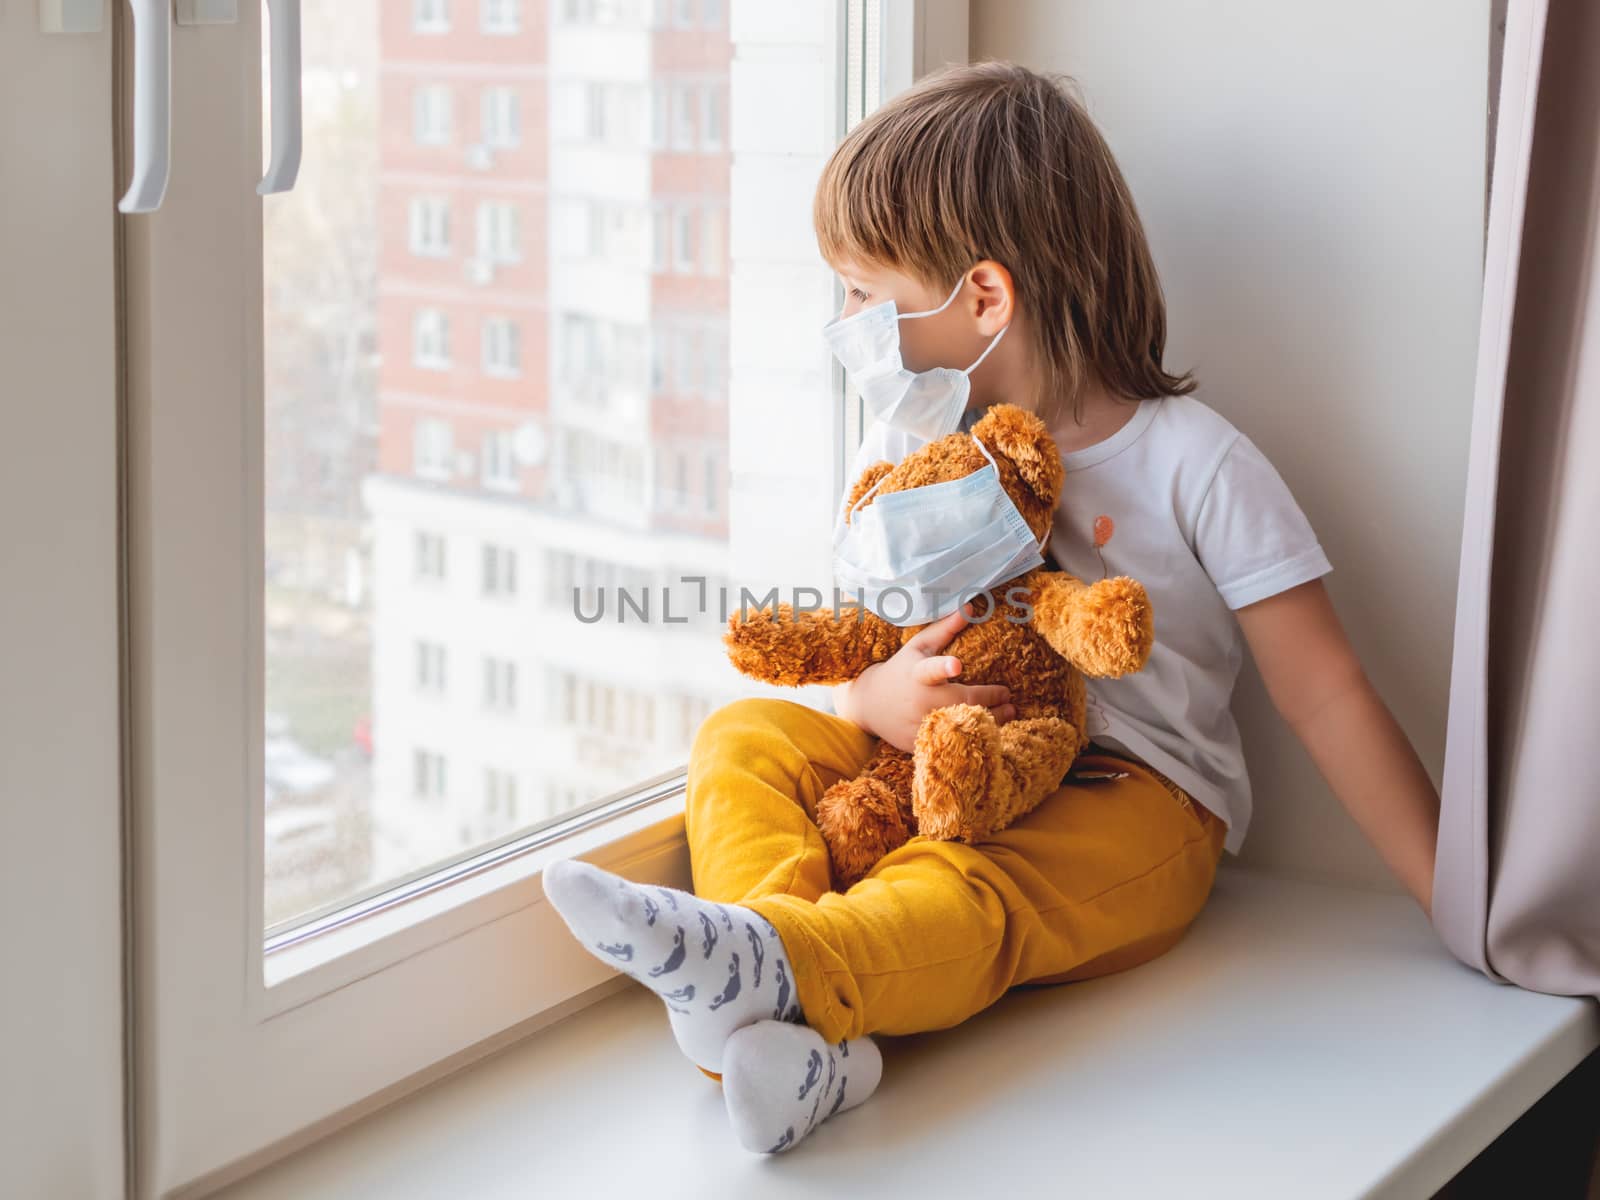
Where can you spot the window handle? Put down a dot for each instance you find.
(285, 164)
(152, 105)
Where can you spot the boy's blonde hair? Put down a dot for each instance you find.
(995, 161)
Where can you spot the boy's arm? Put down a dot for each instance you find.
(1319, 687)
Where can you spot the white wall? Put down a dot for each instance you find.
(1311, 176)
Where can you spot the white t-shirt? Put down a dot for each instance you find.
(1201, 518)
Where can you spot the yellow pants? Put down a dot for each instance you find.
(1102, 876)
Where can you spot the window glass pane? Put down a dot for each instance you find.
(496, 359)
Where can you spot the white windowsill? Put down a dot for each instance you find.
(1303, 1040)
(313, 967)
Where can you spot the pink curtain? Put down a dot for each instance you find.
(1517, 879)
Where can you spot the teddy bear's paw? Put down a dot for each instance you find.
(1114, 627)
(957, 767)
(1038, 753)
(861, 820)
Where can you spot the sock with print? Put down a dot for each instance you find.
(717, 967)
(781, 1081)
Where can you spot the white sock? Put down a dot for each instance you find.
(718, 967)
(781, 1081)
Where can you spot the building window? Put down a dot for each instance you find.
(427, 774)
(683, 14)
(499, 232)
(501, 112)
(580, 356)
(660, 239)
(685, 355)
(593, 224)
(594, 112)
(713, 365)
(430, 16)
(711, 13)
(428, 556)
(430, 339)
(659, 344)
(499, 684)
(430, 226)
(500, 16)
(431, 115)
(660, 113)
(430, 667)
(683, 122)
(711, 123)
(499, 798)
(713, 483)
(499, 464)
(684, 241)
(499, 571)
(502, 347)
(432, 447)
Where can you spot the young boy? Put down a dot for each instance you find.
(984, 202)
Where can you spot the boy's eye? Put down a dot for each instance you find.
(858, 294)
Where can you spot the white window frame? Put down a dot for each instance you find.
(431, 667)
(497, 577)
(660, 238)
(500, 347)
(432, 114)
(433, 449)
(430, 775)
(500, 117)
(499, 684)
(687, 341)
(63, 739)
(685, 239)
(401, 968)
(428, 223)
(660, 113)
(500, 807)
(430, 16)
(430, 339)
(500, 18)
(685, 122)
(713, 118)
(430, 557)
(499, 231)
(499, 462)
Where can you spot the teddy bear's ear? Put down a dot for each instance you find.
(863, 485)
(1016, 434)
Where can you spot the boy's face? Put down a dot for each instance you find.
(952, 338)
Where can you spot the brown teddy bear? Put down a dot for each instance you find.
(968, 776)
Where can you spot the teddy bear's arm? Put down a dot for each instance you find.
(1104, 628)
(811, 646)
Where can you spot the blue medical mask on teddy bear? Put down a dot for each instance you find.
(926, 404)
(917, 555)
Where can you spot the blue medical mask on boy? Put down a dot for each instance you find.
(925, 404)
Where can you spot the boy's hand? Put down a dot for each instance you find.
(889, 699)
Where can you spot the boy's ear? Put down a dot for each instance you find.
(1017, 435)
(995, 296)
